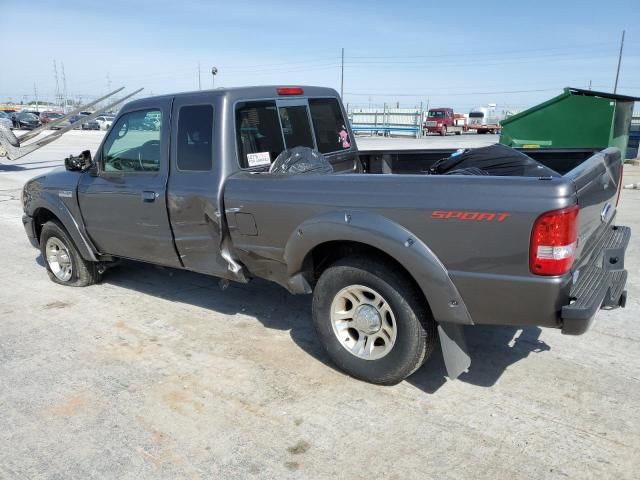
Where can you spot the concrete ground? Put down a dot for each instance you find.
(159, 374)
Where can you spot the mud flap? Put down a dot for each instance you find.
(454, 349)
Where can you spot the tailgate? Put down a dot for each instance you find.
(599, 276)
(597, 182)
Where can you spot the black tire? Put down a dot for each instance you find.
(416, 329)
(458, 132)
(83, 272)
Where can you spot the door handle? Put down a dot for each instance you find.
(148, 196)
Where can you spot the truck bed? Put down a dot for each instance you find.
(562, 160)
(487, 257)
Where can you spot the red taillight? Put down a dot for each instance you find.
(553, 242)
(290, 91)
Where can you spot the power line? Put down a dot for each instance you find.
(452, 94)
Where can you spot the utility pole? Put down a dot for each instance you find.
(615, 87)
(35, 94)
(55, 74)
(342, 76)
(214, 72)
(64, 88)
(199, 83)
(589, 84)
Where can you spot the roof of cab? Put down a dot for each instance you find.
(239, 93)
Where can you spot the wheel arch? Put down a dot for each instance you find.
(43, 214)
(320, 241)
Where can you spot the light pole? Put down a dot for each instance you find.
(214, 72)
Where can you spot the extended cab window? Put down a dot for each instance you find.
(195, 138)
(329, 125)
(133, 144)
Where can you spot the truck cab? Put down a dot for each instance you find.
(441, 121)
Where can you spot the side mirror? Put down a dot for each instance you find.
(79, 163)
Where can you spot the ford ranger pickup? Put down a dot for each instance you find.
(396, 258)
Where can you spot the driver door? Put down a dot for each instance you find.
(124, 204)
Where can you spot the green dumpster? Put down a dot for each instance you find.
(574, 119)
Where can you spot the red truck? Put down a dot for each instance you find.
(443, 121)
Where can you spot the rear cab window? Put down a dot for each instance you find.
(265, 128)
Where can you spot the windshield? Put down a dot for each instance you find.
(54, 115)
(476, 115)
(28, 116)
(438, 114)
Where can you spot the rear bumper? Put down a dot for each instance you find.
(599, 285)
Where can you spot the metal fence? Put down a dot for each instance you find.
(386, 121)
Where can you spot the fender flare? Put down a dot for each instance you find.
(377, 231)
(48, 201)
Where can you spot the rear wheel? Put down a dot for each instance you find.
(372, 320)
(64, 263)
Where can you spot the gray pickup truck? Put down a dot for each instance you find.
(395, 258)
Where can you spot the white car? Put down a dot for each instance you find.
(105, 121)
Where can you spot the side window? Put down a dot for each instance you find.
(195, 138)
(258, 133)
(329, 125)
(296, 127)
(133, 144)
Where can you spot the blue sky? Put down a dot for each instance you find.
(458, 54)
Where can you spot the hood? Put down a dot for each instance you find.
(58, 184)
(58, 178)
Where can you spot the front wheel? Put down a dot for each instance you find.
(64, 263)
(372, 320)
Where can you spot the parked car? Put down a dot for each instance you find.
(76, 121)
(46, 117)
(105, 121)
(25, 121)
(393, 261)
(5, 120)
(90, 125)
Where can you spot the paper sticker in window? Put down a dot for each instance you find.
(258, 159)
